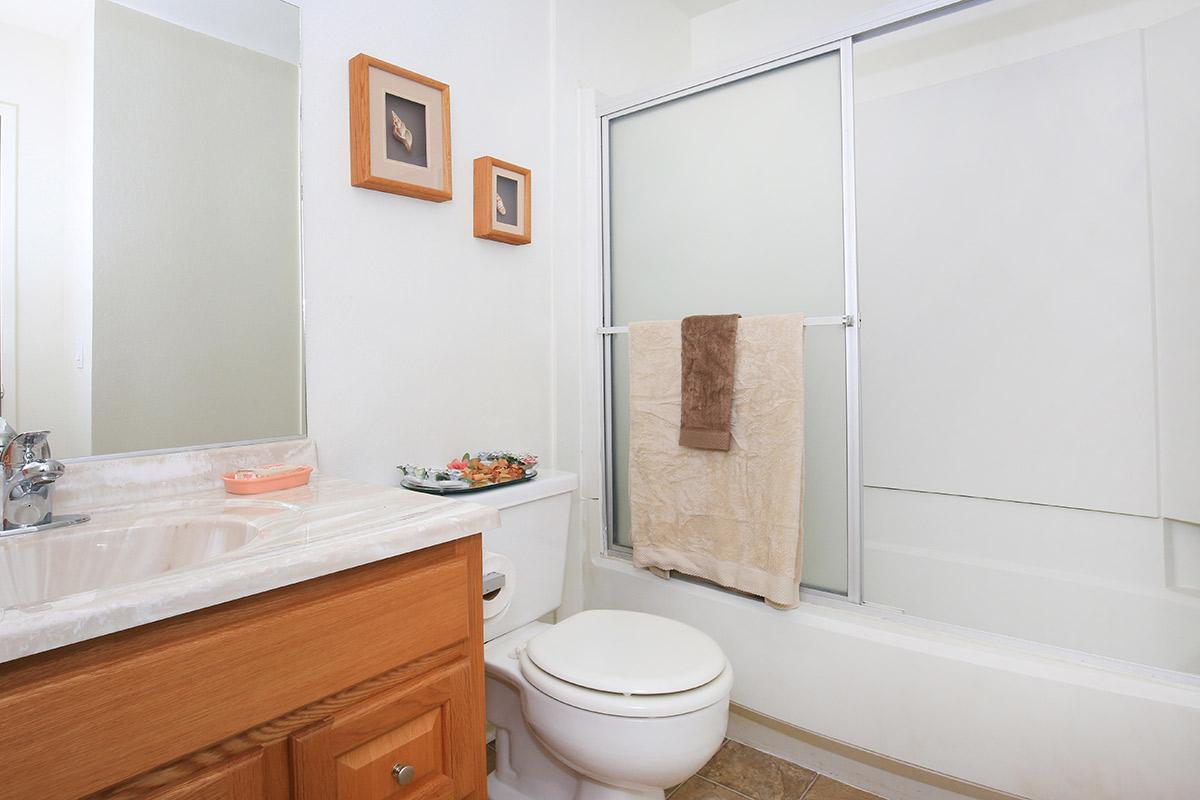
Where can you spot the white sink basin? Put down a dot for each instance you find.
(126, 546)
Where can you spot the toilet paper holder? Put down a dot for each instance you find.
(493, 582)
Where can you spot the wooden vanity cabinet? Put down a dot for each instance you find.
(238, 778)
(362, 685)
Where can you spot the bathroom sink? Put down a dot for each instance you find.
(125, 546)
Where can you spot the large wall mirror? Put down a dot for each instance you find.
(150, 282)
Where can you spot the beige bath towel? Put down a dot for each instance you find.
(733, 517)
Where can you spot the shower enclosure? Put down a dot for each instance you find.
(989, 214)
(717, 207)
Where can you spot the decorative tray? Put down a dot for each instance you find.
(471, 473)
(457, 487)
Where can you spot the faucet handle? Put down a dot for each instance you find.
(42, 472)
(32, 446)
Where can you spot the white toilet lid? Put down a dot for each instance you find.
(627, 652)
(612, 704)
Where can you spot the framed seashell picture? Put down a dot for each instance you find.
(503, 201)
(399, 130)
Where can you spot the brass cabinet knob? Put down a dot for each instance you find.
(403, 773)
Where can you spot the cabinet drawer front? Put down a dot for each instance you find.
(239, 778)
(397, 762)
(414, 742)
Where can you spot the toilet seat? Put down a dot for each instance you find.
(627, 705)
(627, 663)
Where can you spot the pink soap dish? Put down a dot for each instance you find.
(266, 483)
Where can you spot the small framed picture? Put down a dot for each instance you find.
(399, 130)
(502, 201)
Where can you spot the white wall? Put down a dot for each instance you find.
(747, 28)
(994, 34)
(423, 341)
(270, 27)
(998, 32)
(77, 311)
(600, 49)
(44, 76)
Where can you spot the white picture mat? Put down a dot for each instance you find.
(522, 188)
(381, 83)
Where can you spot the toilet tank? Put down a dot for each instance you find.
(534, 520)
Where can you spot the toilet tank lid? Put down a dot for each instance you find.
(546, 484)
(627, 652)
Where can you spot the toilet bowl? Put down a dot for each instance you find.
(559, 739)
(604, 705)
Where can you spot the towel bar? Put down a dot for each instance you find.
(846, 320)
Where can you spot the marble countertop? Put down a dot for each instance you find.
(140, 562)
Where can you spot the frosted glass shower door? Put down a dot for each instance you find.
(729, 200)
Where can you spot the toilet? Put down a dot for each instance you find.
(603, 705)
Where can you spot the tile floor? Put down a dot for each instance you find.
(738, 772)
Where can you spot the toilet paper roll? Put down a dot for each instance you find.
(498, 604)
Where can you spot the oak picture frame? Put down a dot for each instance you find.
(491, 175)
(421, 166)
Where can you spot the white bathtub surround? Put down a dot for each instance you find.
(733, 517)
(170, 551)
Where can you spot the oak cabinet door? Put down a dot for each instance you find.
(239, 778)
(412, 742)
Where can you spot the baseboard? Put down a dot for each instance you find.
(870, 772)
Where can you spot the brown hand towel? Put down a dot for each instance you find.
(709, 350)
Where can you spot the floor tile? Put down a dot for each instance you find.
(697, 788)
(491, 758)
(829, 789)
(755, 774)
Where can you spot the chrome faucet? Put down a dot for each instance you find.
(29, 476)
